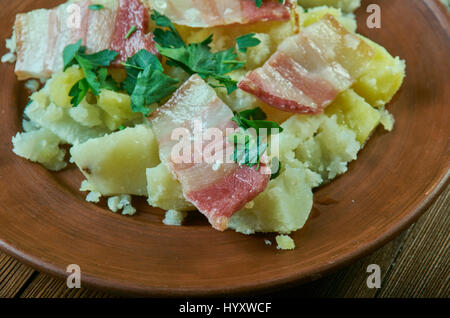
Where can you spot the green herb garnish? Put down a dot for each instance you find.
(276, 173)
(94, 68)
(260, 2)
(146, 82)
(255, 118)
(248, 149)
(246, 41)
(95, 7)
(131, 31)
(195, 57)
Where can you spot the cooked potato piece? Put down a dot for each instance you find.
(346, 5)
(87, 114)
(315, 14)
(117, 107)
(62, 83)
(40, 146)
(164, 191)
(320, 143)
(354, 112)
(283, 207)
(383, 77)
(115, 164)
(58, 121)
(284, 242)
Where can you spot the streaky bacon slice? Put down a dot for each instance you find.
(42, 35)
(310, 69)
(210, 13)
(132, 13)
(217, 191)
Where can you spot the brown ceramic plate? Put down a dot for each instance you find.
(45, 221)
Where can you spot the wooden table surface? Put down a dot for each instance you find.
(415, 264)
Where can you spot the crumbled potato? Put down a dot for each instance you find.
(315, 14)
(87, 114)
(116, 163)
(174, 217)
(40, 146)
(59, 121)
(117, 107)
(164, 191)
(284, 242)
(320, 143)
(346, 5)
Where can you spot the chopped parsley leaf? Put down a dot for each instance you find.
(246, 41)
(94, 68)
(95, 7)
(195, 57)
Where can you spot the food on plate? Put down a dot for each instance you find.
(216, 188)
(41, 35)
(205, 13)
(235, 109)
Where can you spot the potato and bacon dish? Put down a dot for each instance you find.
(272, 98)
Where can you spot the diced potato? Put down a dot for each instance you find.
(86, 114)
(320, 143)
(387, 119)
(382, 78)
(315, 14)
(58, 121)
(256, 56)
(117, 107)
(61, 84)
(284, 242)
(115, 164)
(40, 146)
(353, 111)
(345, 5)
(174, 217)
(283, 207)
(164, 191)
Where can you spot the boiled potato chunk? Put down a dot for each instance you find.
(315, 14)
(345, 5)
(353, 111)
(116, 163)
(87, 114)
(59, 121)
(164, 190)
(382, 78)
(320, 143)
(62, 83)
(117, 107)
(283, 207)
(40, 146)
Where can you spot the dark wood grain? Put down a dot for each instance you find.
(44, 220)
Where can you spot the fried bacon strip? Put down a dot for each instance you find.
(310, 69)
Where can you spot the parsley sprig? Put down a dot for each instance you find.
(146, 82)
(255, 118)
(94, 68)
(260, 2)
(195, 57)
(249, 149)
(246, 41)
